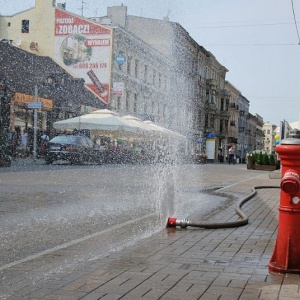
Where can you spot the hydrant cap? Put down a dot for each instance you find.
(290, 186)
(293, 138)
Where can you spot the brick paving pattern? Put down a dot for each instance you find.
(191, 263)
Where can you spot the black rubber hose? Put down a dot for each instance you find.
(243, 221)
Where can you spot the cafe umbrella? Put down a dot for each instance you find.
(100, 122)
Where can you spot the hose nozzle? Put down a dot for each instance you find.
(173, 222)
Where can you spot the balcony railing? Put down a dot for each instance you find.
(224, 113)
(225, 93)
(210, 106)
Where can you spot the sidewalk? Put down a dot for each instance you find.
(191, 263)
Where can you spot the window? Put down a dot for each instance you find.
(25, 26)
(136, 68)
(159, 80)
(129, 65)
(135, 103)
(127, 101)
(221, 126)
(222, 104)
(206, 120)
(207, 95)
(119, 103)
(212, 121)
(154, 77)
(145, 73)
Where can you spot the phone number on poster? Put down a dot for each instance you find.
(91, 66)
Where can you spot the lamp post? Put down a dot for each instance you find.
(35, 105)
(35, 123)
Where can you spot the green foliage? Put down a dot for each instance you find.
(260, 159)
(272, 160)
(255, 158)
(263, 159)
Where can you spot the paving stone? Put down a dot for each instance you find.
(192, 263)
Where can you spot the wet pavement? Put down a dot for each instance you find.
(175, 263)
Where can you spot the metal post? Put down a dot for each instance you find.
(35, 123)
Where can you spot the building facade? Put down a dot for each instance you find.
(196, 79)
(233, 133)
(259, 132)
(242, 126)
(269, 142)
(155, 70)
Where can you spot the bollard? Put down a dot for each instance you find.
(286, 254)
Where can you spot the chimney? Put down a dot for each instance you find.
(118, 14)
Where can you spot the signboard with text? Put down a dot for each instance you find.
(118, 88)
(35, 105)
(84, 49)
(20, 98)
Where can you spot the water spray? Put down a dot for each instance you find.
(173, 222)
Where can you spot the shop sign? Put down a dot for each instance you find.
(20, 98)
(118, 88)
(120, 59)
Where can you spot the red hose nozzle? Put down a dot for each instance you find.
(171, 222)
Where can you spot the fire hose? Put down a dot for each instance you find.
(173, 222)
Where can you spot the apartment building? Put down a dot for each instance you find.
(151, 68)
(196, 78)
(269, 142)
(259, 132)
(242, 126)
(140, 80)
(233, 133)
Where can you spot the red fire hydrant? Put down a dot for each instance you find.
(286, 255)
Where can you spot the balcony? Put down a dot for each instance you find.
(223, 134)
(225, 93)
(210, 106)
(224, 113)
(232, 140)
(211, 82)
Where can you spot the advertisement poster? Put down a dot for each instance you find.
(118, 88)
(84, 49)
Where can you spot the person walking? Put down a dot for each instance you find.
(24, 142)
(231, 152)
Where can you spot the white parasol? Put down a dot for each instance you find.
(100, 121)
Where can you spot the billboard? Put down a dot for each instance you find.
(83, 48)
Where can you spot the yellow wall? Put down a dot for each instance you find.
(41, 28)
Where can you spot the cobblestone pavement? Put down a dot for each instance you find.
(191, 263)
